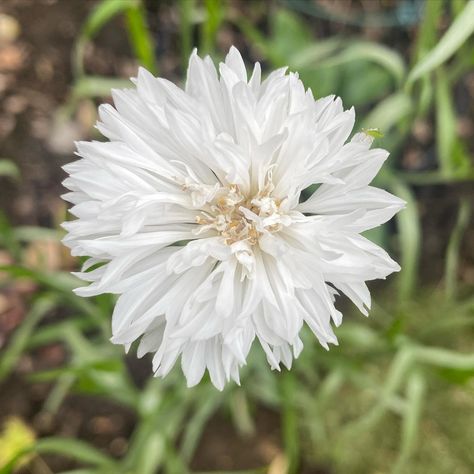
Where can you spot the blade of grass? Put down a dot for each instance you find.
(427, 31)
(32, 233)
(8, 239)
(58, 393)
(444, 358)
(240, 412)
(385, 57)
(140, 37)
(63, 283)
(205, 408)
(411, 420)
(445, 123)
(310, 56)
(409, 230)
(75, 449)
(54, 333)
(102, 13)
(96, 86)
(457, 34)
(290, 421)
(69, 448)
(452, 253)
(389, 112)
(215, 13)
(42, 306)
(401, 363)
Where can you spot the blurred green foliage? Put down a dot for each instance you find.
(359, 408)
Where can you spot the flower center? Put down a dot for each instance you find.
(238, 218)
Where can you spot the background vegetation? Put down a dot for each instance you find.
(397, 394)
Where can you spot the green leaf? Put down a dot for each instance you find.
(389, 112)
(453, 251)
(102, 13)
(64, 283)
(53, 333)
(20, 338)
(445, 358)
(74, 449)
(311, 55)
(457, 34)
(205, 408)
(411, 421)
(362, 82)
(215, 13)
(32, 233)
(97, 86)
(141, 40)
(61, 281)
(8, 239)
(409, 231)
(289, 34)
(289, 421)
(153, 450)
(401, 363)
(427, 31)
(9, 169)
(445, 123)
(355, 51)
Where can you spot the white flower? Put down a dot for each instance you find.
(193, 213)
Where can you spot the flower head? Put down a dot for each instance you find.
(198, 213)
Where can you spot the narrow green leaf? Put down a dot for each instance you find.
(21, 336)
(58, 393)
(444, 358)
(240, 411)
(411, 420)
(215, 13)
(205, 408)
(153, 450)
(96, 86)
(457, 34)
(310, 56)
(140, 37)
(409, 231)
(73, 448)
(453, 251)
(62, 282)
(402, 361)
(53, 333)
(32, 233)
(445, 123)
(289, 34)
(389, 112)
(427, 31)
(102, 13)
(8, 239)
(290, 421)
(385, 57)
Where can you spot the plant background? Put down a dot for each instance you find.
(397, 394)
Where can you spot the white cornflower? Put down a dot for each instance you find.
(193, 213)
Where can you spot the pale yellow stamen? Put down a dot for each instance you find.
(239, 218)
